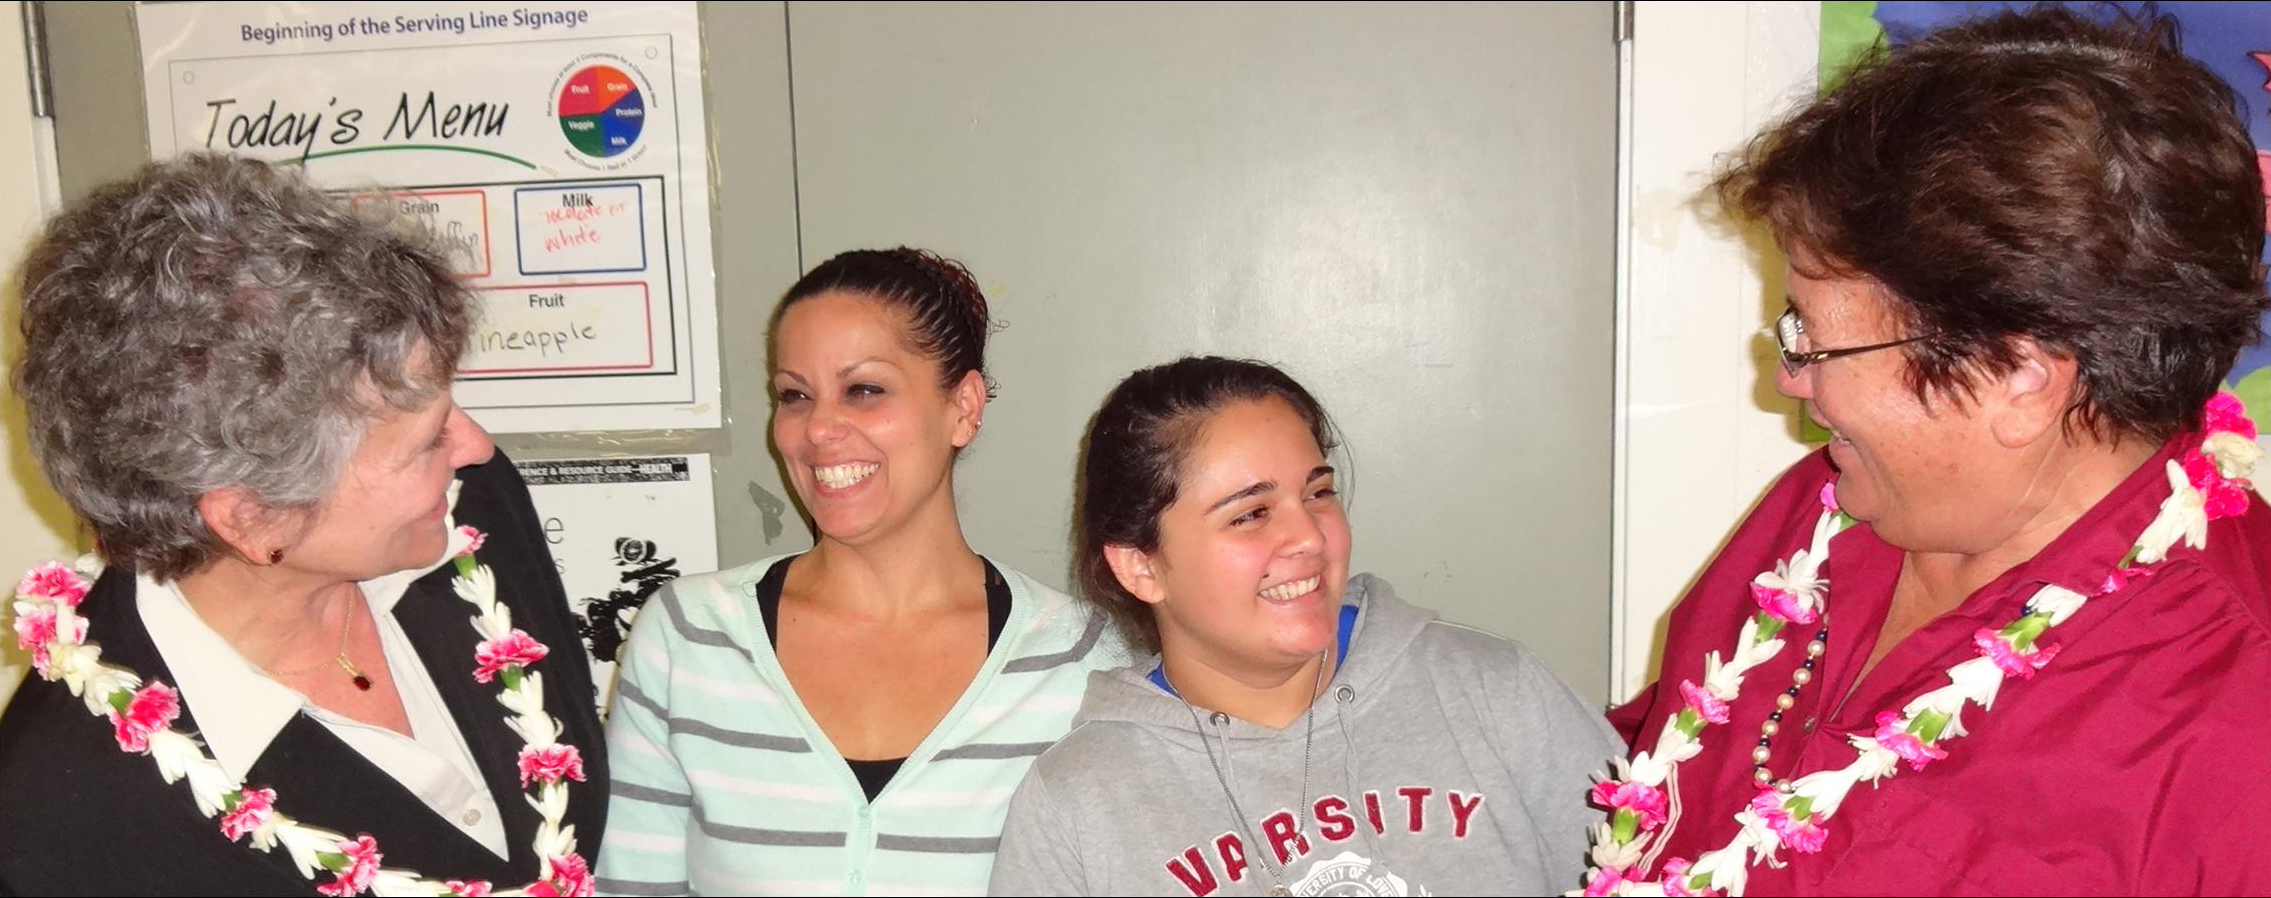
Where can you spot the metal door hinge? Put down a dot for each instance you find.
(35, 59)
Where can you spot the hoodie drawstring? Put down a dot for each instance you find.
(1345, 696)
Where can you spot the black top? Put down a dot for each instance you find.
(874, 775)
(68, 789)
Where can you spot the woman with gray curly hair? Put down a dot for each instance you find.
(242, 387)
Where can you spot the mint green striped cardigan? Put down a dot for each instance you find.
(722, 783)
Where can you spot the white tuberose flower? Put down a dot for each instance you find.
(449, 519)
(1729, 867)
(1725, 680)
(2184, 515)
(1978, 680)
(1651, 768)
(396, 884)
(1828, 788)
(2058, 602)
(1947, 700)
(1609, 854)
(2235, 455)
(1875, 761)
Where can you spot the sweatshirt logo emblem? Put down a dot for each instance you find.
(1352, 875)
(1421, 811)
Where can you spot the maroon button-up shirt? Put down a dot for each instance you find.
(2137, 762)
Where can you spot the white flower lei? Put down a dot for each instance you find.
(2208, 484)
(48, 625)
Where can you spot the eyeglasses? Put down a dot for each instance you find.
(1790, 332)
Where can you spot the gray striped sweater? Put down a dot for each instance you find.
(724, 785)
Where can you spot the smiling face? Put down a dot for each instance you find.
(1928, 477)
(1253, 554)
(868, 436)
(388, 510)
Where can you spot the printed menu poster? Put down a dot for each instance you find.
(556, 152)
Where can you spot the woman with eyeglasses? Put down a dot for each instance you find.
(2007, 632)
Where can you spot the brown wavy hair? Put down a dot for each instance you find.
(2071, 178)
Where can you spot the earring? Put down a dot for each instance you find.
(275, 556)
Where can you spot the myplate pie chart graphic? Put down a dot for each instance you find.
(601, 111)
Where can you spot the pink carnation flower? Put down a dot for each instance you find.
(550, 764)
(1645, 802)
(35, 629)
(1783, 604)
(2221, 496)
(256, 809)
(153, 708)
(362, 867)
(1829, 496)
(54, 580)
(2013, 662)
(1804, 836)
(1675, 879)
(514, 649)
(1706, 705)
(2226, 412)
(571, 878)
(2121, 577)
(1604, 881)
(473, 533)
(1898, 740)
(469, 888)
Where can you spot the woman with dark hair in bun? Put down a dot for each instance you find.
(853, 718)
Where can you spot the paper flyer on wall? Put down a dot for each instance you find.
(555, 151)
(619, 529)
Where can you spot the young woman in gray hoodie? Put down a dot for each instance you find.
(1301, 731)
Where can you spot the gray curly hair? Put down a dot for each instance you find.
(216, 322)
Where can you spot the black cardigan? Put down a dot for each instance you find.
(79, 816)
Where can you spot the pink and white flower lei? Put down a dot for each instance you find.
(2206, 482)
(514, 649)
(47, 624)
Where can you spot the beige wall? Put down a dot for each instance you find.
(1408, 205)
(1701, 431)
(1696, 437)
(34, 525)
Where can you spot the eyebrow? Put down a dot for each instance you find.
(1321, 471)
(1255, 490)
(843, 372)
(847, 370)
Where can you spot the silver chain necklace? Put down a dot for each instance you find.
(1260, 850)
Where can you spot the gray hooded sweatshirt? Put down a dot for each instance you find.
(1444, 760)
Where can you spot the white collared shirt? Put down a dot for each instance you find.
(240, 708)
